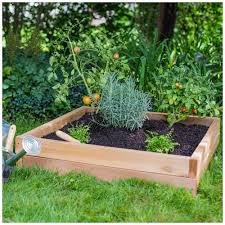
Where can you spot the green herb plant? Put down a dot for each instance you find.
(122, 105)
(80, 132)
(160, 143)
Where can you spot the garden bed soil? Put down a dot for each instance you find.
(187, 136)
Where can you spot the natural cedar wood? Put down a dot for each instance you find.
(105, 172)
(176, 170)
(193, 165)
(57, 123)
(116, 157)
(209, 143)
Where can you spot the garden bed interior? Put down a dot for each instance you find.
(187, 136)
(111, 153)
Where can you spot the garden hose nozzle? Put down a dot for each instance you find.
(30, 145)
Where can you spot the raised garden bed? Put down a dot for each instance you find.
(181, 168)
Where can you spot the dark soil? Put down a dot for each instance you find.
(188, 136)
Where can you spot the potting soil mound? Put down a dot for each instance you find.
(188, 136)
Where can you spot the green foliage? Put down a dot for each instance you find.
(13, 44)
(160, 143)
(198, 33)
(89, 67)
(199, 28)
(144, 57)
(122, 105)
(197, 91)
(53, 15)
(25, 87)
(80, 132)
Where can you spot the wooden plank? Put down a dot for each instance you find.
(115, 157)
(209, 145)
(157, 116)
(57, 123)
(214, 137)
(198, 155)
(107, 173)
(206, 121)
(193, 166)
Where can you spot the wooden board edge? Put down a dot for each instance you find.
(211, 148)
(57, 123)
(120, 158)
(109, 173)
(193, 168)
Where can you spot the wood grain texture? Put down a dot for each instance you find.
(209, 144)
(107, 173)
(57, 123)
(115, 157)
(193, 165)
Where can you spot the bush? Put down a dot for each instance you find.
(144, 58)
(25, 86)
(122, 105)
(184, 90)
(27, 90)
(198, 32)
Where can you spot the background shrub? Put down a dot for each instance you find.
(26, 89)
(38, 77)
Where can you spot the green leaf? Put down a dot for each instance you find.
(171, 101)
(5, 86)
(142, 75)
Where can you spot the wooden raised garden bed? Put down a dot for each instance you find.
(116, 163)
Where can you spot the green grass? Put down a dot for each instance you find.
(36, 195)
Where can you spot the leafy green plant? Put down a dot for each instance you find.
(25, 88)
(160, 143)
(184, 90)
(80, 132)
(86, 61)
(122, 105)
(144, 57)
(198, 34)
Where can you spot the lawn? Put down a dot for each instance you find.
(36, 195)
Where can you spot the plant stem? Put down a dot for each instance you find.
(77, 68)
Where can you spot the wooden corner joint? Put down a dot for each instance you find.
(193, 168)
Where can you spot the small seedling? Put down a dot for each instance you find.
(80, 132)
(160, 143)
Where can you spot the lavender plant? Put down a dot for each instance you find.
(122, 105)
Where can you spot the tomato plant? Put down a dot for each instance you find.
(184, 90)
(88, 60)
